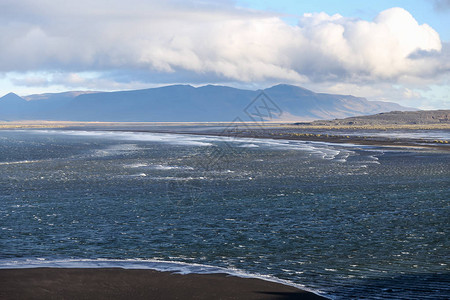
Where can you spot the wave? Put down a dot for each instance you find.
(167, 167)
(323, 150)
(176, 139)
(249, 146)
(150, 264)
(136, 165)
(158, 167)
(162, 178)
(20, 162)
(113, 150)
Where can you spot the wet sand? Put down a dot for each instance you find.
(116, 283)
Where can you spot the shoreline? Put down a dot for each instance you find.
(293, 133)
(307, 137)
(24, 124)
(119, 283)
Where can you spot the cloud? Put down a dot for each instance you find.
(62, 81)
(201, 39)
(440, 5)
(31, 81)
(372, 50)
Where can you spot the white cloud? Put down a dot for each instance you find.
(236, 45)
(210, 40)
(33, 80)
(362, 50)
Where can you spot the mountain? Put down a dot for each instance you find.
(11, 106)
(307, 105)
(184, 103)
(52, 97)
(181, 103)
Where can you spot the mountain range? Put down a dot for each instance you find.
(185, 103)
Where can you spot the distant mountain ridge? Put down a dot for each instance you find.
(185, 103)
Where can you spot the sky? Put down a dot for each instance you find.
(392, 50)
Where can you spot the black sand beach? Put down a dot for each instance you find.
(116, 283)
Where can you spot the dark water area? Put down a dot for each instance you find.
(347, 221)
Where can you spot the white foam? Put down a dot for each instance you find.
(157, 167)
(177, 139)
(118, 149)
(248, 146)
(173, 178)
(150, 264)
(123, 147)
(167, 167)
(327, 151)
(137, 165)
(372, 159)
(20, 162)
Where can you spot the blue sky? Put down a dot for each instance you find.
(383, 50)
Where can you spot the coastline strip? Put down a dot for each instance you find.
(118, 283)
(306, 137)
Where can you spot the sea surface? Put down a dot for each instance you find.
(345, 221)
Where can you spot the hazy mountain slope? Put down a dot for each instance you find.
(309, 105)
(12, 107)
(172, 103)
(185, 103)
(56, 97)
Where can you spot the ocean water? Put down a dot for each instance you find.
(345, 221)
